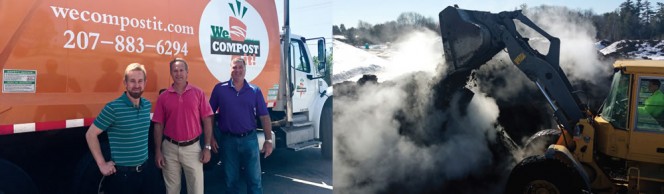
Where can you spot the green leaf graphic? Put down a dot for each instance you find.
(232, 8)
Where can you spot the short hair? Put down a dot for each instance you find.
(135, 67)
(186, 66)
(655, 82)
(239, 59)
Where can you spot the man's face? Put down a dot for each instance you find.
(179, 73)
(238, 70)
(135, 83)
(652, 87)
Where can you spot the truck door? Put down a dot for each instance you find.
(646, 138)
(303, 87)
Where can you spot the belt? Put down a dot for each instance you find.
(239, 134)
(138, 168)
(181, 143)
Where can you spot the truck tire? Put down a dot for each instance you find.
(87, 178)
(326, 130)
(14, 180)
(537, 174)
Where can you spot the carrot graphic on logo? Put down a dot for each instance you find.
(300, 88)
(238, 29)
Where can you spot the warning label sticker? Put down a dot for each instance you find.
(19, 81)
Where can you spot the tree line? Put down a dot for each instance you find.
(634, 20)
(385, 32)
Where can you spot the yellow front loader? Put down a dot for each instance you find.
(619, 150)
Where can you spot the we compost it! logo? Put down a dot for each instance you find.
(301, 88)
(229, 30)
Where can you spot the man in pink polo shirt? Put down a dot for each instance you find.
(178, 116)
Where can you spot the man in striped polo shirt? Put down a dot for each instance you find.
(127, 122)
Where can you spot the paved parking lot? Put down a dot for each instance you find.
(285, 171)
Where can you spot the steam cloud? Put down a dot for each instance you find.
(579, 59)
(389, 138)
(418, 51)
(578, 56)
(375, 153)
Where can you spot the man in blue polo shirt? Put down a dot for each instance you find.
(238, 103)
(127, 121)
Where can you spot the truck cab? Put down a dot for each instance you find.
(309, 95)
(307, 76)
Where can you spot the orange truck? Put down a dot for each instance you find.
(63, 60)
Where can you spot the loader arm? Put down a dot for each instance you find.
(471, 38)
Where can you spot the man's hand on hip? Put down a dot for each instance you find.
(107, 168)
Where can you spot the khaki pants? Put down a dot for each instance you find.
(185, 158)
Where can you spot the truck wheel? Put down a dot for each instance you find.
(537, 174)
(326, 130)
(87, 177)
(14, 180)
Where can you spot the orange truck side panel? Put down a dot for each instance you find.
(79, 59)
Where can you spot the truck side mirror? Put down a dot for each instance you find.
(322, 56)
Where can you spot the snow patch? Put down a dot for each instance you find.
(635, 49)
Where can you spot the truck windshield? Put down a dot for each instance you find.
(615, 108)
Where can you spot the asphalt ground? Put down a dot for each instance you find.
(52, 163)
(284, 172)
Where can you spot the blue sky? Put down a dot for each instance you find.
(349, 12)
(308, 18)
(314, 18)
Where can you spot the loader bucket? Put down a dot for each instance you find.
(466, 40)
(467, 44)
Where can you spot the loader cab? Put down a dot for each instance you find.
(647, 136)
(631, 123)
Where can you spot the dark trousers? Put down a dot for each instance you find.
(126, 182)
(238, 152)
